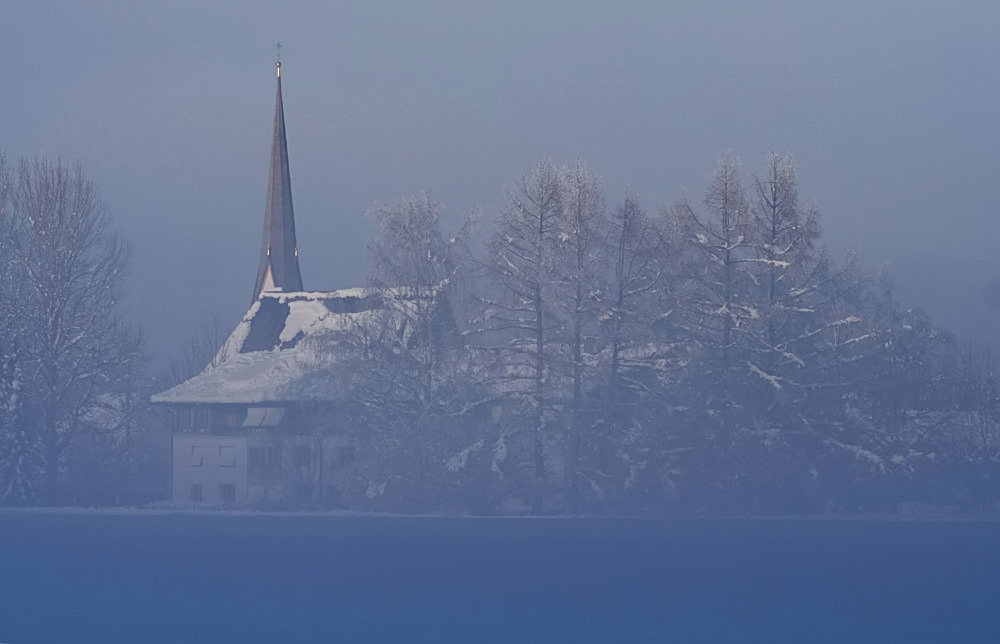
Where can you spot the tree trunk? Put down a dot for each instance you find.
(538, 492)
(51, 466)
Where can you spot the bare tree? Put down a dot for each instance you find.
(411, 267)
(523, 253)
(20, 454)
(67, 266)
(789, 268)
(717, 307)
(410, 374)
(799, 298)
(19, 449)
(583, 229)
(976, 439)
(201, 351)
(641, 357)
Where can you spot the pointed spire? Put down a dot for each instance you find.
(279, 254)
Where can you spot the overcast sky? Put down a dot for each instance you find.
(889, 107)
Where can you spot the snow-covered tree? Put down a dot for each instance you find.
(974, 437)
(582, 231)
(718, 307)
(412, 269)
(523, 256)
(20, 457)
(66, 268)
(788, 273)
(634, 247)
(109, 463)
(715, 309)
(904, 375)
(412, 378)
(641, 357)
(19, 449)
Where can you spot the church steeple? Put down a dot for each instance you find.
(279, 254)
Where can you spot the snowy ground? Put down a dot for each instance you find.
(210, 577)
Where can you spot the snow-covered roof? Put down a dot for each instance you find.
(281, 351)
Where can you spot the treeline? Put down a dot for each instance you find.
(707, 356)
(563, 356)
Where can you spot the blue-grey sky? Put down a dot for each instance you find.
(889, 107)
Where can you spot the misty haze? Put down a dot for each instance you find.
(586, 323)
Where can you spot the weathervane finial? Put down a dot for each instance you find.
(278, 47)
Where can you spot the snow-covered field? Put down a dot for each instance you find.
(206, 577)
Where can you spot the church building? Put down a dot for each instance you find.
(259, 425)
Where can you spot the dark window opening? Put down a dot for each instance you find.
(234, 420)
(186, 419)
(265, 459)
(227, 456)
(274, 459)
(227, 493)
(202, 418)
(303, 456)
(196, 493)
(181, 418)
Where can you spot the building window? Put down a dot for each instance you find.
(227, 493)
(303, 456)
(181, 418)
(265, 459)
(274, 459)
(188, 419)
(196, 494)
(197, 456)
(202, 417)
(227, 456)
